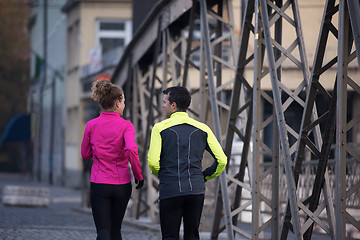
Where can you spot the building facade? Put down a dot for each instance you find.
(46, 97)
(97, 33)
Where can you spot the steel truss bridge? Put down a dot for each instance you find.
(307, 175)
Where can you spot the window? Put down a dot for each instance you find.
(113, 34)
(226, 50)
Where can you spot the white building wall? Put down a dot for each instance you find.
(82, 35)
(49, 127)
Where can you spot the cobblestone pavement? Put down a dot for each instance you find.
(64, 218)
(60, 220)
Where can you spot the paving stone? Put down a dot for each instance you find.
(60, 220)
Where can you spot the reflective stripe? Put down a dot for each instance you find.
(178, 157)
(189, 158)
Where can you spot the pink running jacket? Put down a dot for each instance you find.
(110, 140)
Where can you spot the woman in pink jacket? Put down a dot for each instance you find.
(110, 141)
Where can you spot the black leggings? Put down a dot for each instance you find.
(108, 204)
(172, 210)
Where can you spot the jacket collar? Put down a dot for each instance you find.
(179, 114)
(110, 113)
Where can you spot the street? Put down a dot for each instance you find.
(62, 219)
(65, 219)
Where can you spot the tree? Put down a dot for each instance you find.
(14, 73)
(14, 61)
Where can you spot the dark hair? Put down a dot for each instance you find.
(106, 93)
(180, 96)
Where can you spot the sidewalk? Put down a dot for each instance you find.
(63, 218)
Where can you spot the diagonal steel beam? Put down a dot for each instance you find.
(354, 12)
(344, 150)
(234, 116)
(307, 126)
(215, 112)
(280, 118)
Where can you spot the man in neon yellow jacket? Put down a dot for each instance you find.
(175, 155)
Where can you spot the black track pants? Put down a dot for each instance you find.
(108, 204)
(172, 210)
